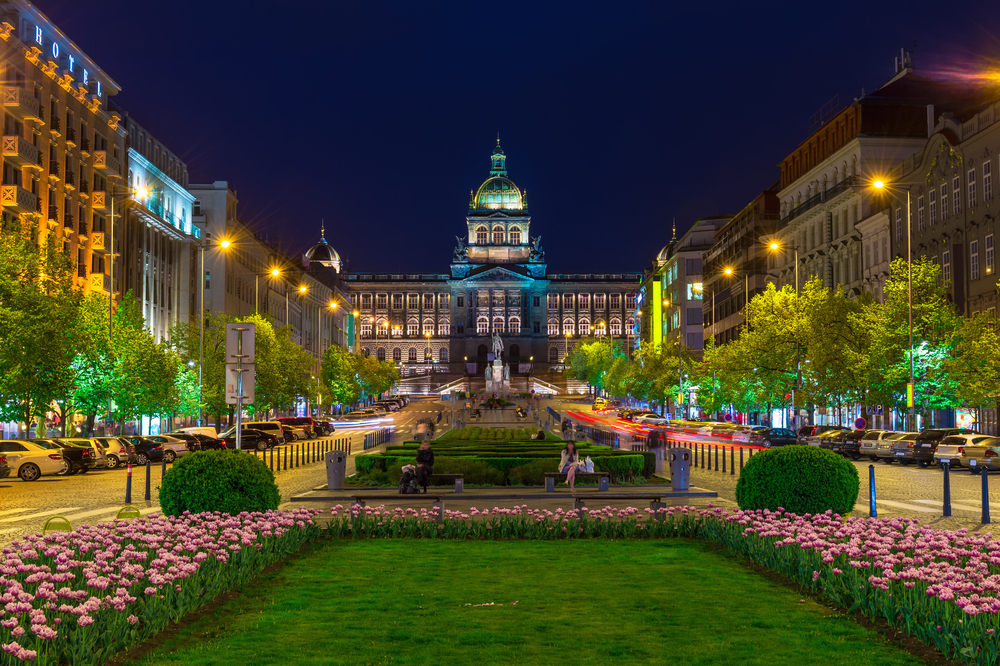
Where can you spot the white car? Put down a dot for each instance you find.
(173, 448)
(652, 418)
(32, 460)
(202, 430)
(272, 428)
(742, 433)
(297, 433)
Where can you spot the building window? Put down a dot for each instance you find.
(567, 301)
(956, 194)
(630, 301)
(536, 327)
(553, 354)
(428, 301)
(460, 301)
(482, 236)
(615, 301)
(397, 330)
(208, 279)
(443, 354)
(460, 327)
(616, 326)
(412, 328)
(988, 244)
(397, 301)
(366, 330)
(946, 265)
(367, 352)
(899, 224)
(694, 341)
(695, 291)
(428, 326)
(428, 355)
(584, 301)
(885, 249)
(932, 204)
(553, 300)
(536, 301)
(568, 327)
(598, 301)
(397, 354)
(483, 326)
(498, 235)
(974, 259)
(411, 355)
(553, 327)
(497, 325)
(382, 328)
(380, 354)
(675, 320)
(380, 301)
(585, 326)
(972, 188)
(515, 236)
(987, 180)
(944, 202)
(514, 325)
(443, 328)
(630, 326)
(366, 301)
(443, 301)
(920, 213)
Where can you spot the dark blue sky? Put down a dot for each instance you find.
(616, 117)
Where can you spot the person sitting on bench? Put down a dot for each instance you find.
(425, 464)
(539, 435)
(569, 460)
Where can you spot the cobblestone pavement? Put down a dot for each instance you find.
(97, 495)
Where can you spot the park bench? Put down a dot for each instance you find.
(579, 501)
(457, 478)
(437, 500)
(552, 477)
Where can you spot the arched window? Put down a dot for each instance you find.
(397, 354)
(553, 354)
(412, 328)
(585, 326)
(568, 327)
(553, 326)
(482, 326)
(600, 329)
(630, 326)
(411, 355)
(380, 353)
(381, 329)
(498, 325)
(367, 352)
(498, 235)
(514, 326)
(515, 236)
(482, 236)
(444, 328)
(366, 330)
(443, 354)
(616, 326)
(429, 326)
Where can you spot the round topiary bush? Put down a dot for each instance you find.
(226, 481)
(800, 479)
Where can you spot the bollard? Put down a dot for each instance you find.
(986, 498)
(872, 509)
(946, 509)
(128, 485)
(298, 455)
(149, 473)
(741, 460)
(272, 460)
(723, 458)
(163, 470)
(716, 457)
(732, 460)
(286, 458)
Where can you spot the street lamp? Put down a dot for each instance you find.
(775, 246)
(798, 365)
(879, 184)
(427, 352)
(274, 272)
(224, 244)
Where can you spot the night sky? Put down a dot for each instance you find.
(615, 116)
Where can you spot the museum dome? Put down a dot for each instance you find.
(321, 253)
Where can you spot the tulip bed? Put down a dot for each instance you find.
(942, 586)
(80, 597)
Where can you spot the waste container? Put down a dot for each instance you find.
(336, 469)
(680, 468)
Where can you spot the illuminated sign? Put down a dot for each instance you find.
(70, 60)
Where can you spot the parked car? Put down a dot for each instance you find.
(872, 440)
(985, 454)
(79, 458)
(4, 467)
(308, 427)
(32, 460)
(742, 433)
(272, 428)
(927, 443)
(173, 447)
(952, 447)
(208, 431)
(91, 443)
(768, 437)
(324, 426)
(145, 449)
(293, 434)
(827, 439)
(209, 443)
(649, 418)
(848, 444)
(901, 449)
(117, 451)
(390, 405)
(819, 431)
(252, 439)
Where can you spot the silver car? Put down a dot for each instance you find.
(116, 452)
(984, 454)
(100, 462)
(173, 448)
(873, 441)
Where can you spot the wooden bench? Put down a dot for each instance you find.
(579, 501)
(438, 501)
(552, 477)
(457, 478)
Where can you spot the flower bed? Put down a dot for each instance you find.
(80, 597)
(942, 586)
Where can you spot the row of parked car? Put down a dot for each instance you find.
(379, 409)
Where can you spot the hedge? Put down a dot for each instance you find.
(800, 479)
(227, 481)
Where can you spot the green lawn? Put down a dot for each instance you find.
(578, 602)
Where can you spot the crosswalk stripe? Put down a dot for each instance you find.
(955, 505)
(95, 512)
(10, 511)
(904, 505)
(40, 514)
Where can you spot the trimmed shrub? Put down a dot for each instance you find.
(800, 479)
(623, 469)
(226, 481)
(533, 474)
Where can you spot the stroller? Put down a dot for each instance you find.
(408, 481)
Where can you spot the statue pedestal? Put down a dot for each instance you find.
(497, 383)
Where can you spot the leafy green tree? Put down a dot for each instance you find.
(92, 364)
(341, 375)
(974, 365)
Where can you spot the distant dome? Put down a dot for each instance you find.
(664, 253)
(499, 193)
(321, 253)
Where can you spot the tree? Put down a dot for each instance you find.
(340, 374)
(92, 364)
(974, 366)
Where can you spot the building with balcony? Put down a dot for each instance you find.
(498, 282)
(61, 140)
(158, 239)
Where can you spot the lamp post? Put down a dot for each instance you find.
(225, 245)
(427, 351)
(911, 387)
(798, 365)
(274, 272)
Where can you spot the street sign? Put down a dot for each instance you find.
(861, 424)
(909, 395)
(877, 410)
(728, 417)
(248, 384)
(233, 342)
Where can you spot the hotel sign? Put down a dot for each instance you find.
(55, 50)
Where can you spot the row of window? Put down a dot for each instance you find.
(494, 299)
(583, 300)
(937, 202)
(383, 328)
(411, 354)
(584, 327)
(413, 301)
(500, 236)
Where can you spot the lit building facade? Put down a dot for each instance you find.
(497, 282)
(63, 148)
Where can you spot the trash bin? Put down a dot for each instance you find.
(680, 468)
(336, 469)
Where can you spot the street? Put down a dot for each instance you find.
(98, 495)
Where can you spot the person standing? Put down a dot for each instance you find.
(425, 464)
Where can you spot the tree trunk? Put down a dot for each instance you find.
(90, 424)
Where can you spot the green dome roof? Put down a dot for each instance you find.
(498, 193)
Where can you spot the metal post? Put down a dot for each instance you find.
(128, 485)
(163, 470)
(716, 457)
(909, 280)
(732, 460)
(149, 473)
(741, 460)
(872, 509)
(947, 489)
(239, 389)
(201, 337)
(986, 497)
(272, 459)
(723, 458)
(286, 457)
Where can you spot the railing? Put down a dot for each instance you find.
(84, 187)
(68, 220)
(70, 135)
(53, 168)
(70, 178)
(55, 124)
(85, 145)
(21, 104)
(83, 228)
(820, 198)
(81, 270)
(53, 212)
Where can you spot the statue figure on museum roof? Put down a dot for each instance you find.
(537, 253)
(461, 252)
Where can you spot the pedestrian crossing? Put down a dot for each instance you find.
(73, 514)
(923, 506)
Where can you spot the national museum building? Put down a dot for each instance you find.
(497, 282)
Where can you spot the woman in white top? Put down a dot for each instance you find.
(569, 460)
